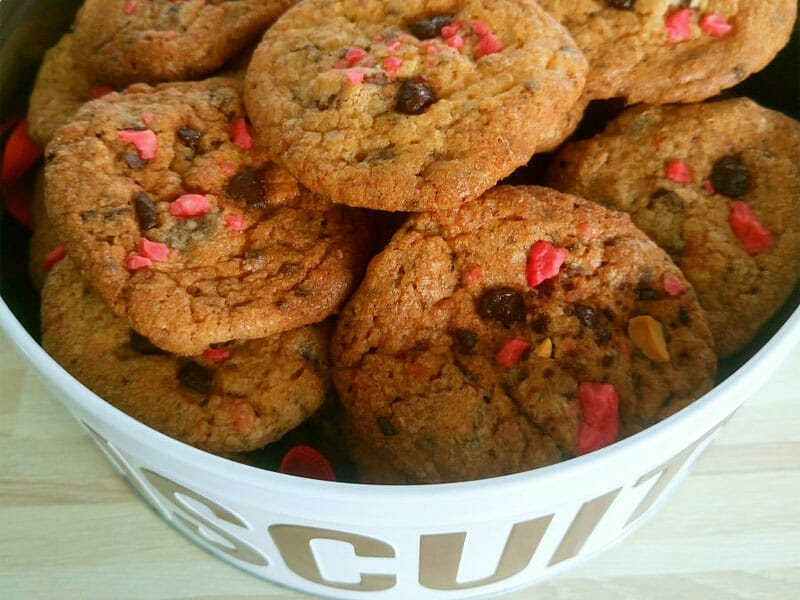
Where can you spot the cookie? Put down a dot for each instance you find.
(128, 41)
(185, 231)
(237, 397)
(410, 105)
(660, 51)
(61, 88)
(717, 186)
(526, 327)
(45, 247)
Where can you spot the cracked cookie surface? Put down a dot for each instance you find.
(661, 51)
(455, 360)
(716, 185)
(237, 398)
(186, 231)
(410, 105)
(127, 41)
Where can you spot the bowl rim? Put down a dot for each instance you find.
(697, 413)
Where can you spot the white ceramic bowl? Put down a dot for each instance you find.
(458, 540)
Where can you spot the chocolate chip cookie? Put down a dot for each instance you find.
(410, 105)
(234, 397)
(127, 41)
(717, 186)
(525, 327)
(186, 231)
(661, 51)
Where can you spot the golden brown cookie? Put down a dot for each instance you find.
(127, 41)
(184, 230)
(236, 397)
(410, 105)
(716, 185)
(661, 51)
(525, 327)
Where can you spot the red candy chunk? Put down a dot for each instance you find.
(217, 355)
(488, 44)
(678, 171)
(190, 205)
(20, 154)
(240, 134)
(353, 56)
(715, 25)
(100, 91)
(599, 427)
(673, 286)
(392, 64)
(511, 352)
(145, 141)
(134, 262)
(449, 31)
(234, 222)
(155, 251)
(52, 257)
(544, 262)
(751, 233)
(474, 273)
(480, 28)
(305, 461)
(355, 76)
(678, 25)
(455, 41)
(708, 187)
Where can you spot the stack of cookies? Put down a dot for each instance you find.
(211, 208)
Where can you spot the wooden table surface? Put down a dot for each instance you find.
(71, 528)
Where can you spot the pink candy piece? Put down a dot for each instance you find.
(455, 41)
(474, 273)
(678, 25)
(392, 64)
(147, 118)
(155, 251)
(511, 352)
(430, 47)
(708, 187)
(450, 30)
(544, 262)
(134, 262)
(130, 7)
(353, 56)
(145, 141)
(234, 222)
(673, 285)
(190, 205)
(715, 25)
(480, 28)
(216, 355)
(52, 257)
(751, 233)
(488, 44)
(100, 91)
(678, 171)
(599, 426)
(355, 76)
(240, 134)
(395, 46)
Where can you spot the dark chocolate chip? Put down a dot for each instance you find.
(621, 4)
(607, 361)
(414, 97)
(730, 176)
(540, 324)
(248, 186)
(146, 211)
(585, 315)
(386, 426)
(430, 27)
(646, 293)
(667, 198)
(144, 346)
(133, 160)
(502, 304)
(195, 377)
(467, 339)
(189, 137)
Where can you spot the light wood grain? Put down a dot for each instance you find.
(71, 528)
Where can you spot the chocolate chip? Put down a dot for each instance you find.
(683, 315)
(467, 339)
(195, 377)
(144, 346)
(386, 426)
(248, 186)
(425, 29)
(189, 137)
(502, 304)
(414, 97)
(133, 160)
(621, 4)
(607, 361)
(146, 211)
(585, 315)
(730, 176)
(646, 293)
(540, 323)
